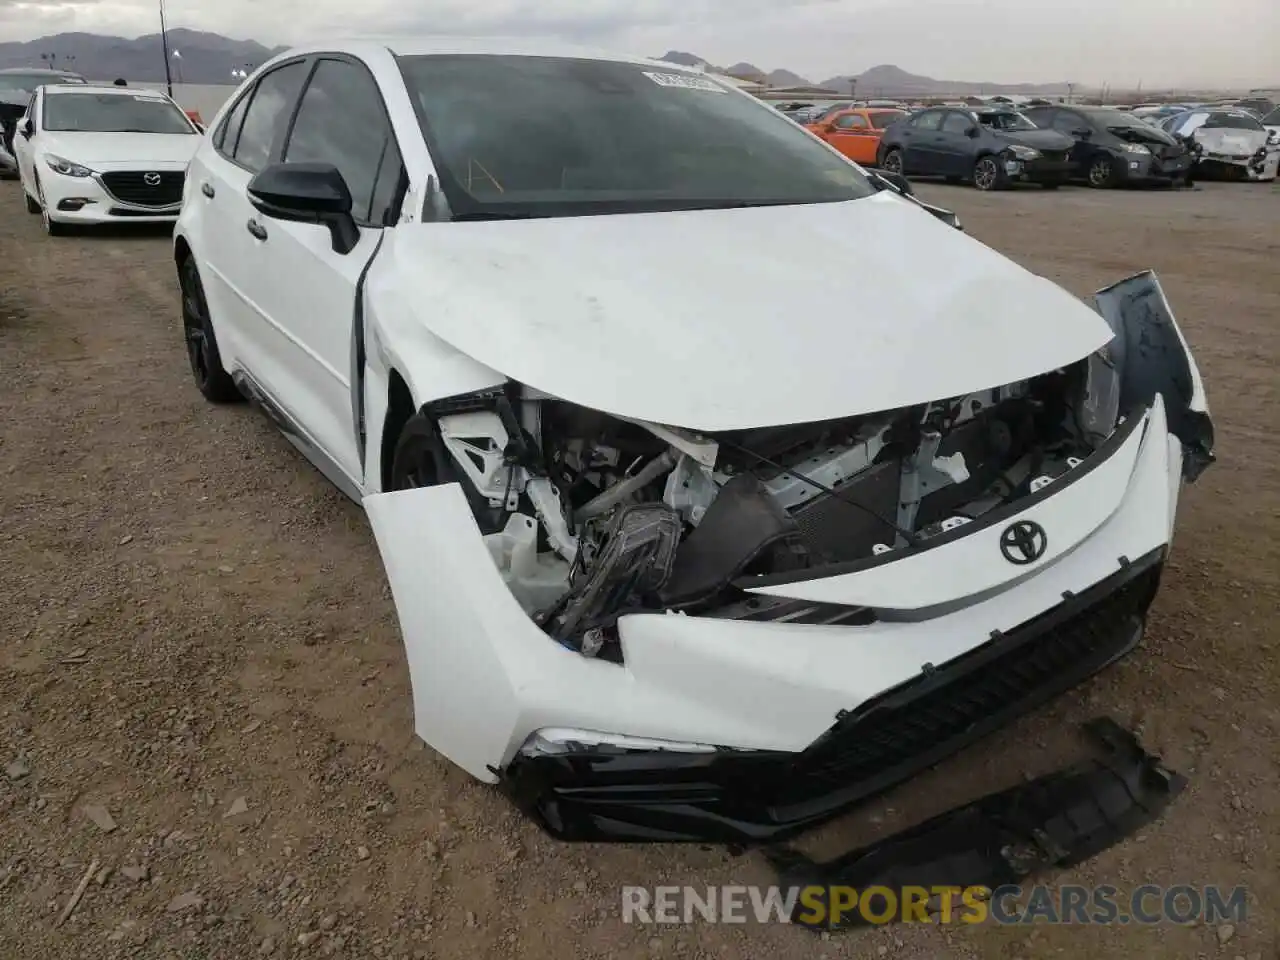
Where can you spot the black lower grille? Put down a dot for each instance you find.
(145, 188)
(981, 690)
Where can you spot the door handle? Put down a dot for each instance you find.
(258, 230)
(207, 189)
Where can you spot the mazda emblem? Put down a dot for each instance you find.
(1023, 542)
(151, 179)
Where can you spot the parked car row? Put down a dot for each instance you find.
(1056, 144)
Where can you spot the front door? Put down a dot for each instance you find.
(305, 290)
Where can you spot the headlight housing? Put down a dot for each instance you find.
(1134, 148)
(1024, 153)
(66, 167)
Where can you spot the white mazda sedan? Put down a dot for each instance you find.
(92, 155)
(680, 548)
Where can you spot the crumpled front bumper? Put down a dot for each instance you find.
(749, 797)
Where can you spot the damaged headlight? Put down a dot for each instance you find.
(1024, 153)
(1135, 148)
(66, 167)
(552, 741)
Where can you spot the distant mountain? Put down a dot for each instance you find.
(200, 57)
(682, 58)
(888, 80)
(785, 78)
(885, 80)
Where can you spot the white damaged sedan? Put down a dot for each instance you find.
(680, 548)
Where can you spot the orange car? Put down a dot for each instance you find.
(856, 133)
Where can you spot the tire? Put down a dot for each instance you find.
(421, 460)
(1101, 173)
(33, 205)
(892, 162)
(210, 377)
(987, 174)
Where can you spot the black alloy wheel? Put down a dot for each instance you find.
(202, 347)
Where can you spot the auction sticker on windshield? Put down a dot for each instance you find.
(687, 82)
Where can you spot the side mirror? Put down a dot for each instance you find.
(27, 129)
(307, 193)
(898, 182)
(972, 133)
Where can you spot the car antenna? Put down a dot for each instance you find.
(912, 538)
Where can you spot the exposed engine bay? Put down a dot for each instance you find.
(589, 517)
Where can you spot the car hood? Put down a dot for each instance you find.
(1230, 140)
(99, 148)
(694, 319)
(1040, 139)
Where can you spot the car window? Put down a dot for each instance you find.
(930, 120)
(229, 130)
(341, 120)
(1006, 120)
(886, 118)
(956, 123)
(268, 113)
(1068, 122)
(850, 121)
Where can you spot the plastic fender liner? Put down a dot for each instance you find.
(1055, 821)
(1152, 356)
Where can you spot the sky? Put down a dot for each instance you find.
(1087, 42)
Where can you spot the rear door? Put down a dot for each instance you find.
(954, 146)
(304, 290)
(852, 135)
(247, 139)
(919, 154)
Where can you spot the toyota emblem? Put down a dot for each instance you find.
(1023, 542)
(151, 179)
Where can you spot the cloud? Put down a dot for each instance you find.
(1088, 41)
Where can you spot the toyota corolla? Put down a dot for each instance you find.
(679, 551)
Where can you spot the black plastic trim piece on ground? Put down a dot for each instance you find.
(757, 797)
(1054, 821)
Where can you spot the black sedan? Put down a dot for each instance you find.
(990, 148)
(1112, 147)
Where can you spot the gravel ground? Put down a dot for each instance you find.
(202, 687)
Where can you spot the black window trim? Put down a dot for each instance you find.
(247, 98)
(278, 150)
(942, 116)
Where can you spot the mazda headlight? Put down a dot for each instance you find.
(66, 167)
(1134, 148)
(1024, 153)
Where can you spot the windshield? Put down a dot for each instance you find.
(1272, 118)
(1006, 120)
(545, 136)
(1232, 121)
(113, 113)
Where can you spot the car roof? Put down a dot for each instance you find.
(478, 46)
(39, 72)
(104, 88)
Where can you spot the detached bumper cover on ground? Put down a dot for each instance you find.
(756, 796)
(1055, 821)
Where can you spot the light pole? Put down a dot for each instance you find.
(164, 43)
(177, 63)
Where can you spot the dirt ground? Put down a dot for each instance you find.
(199, 640)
